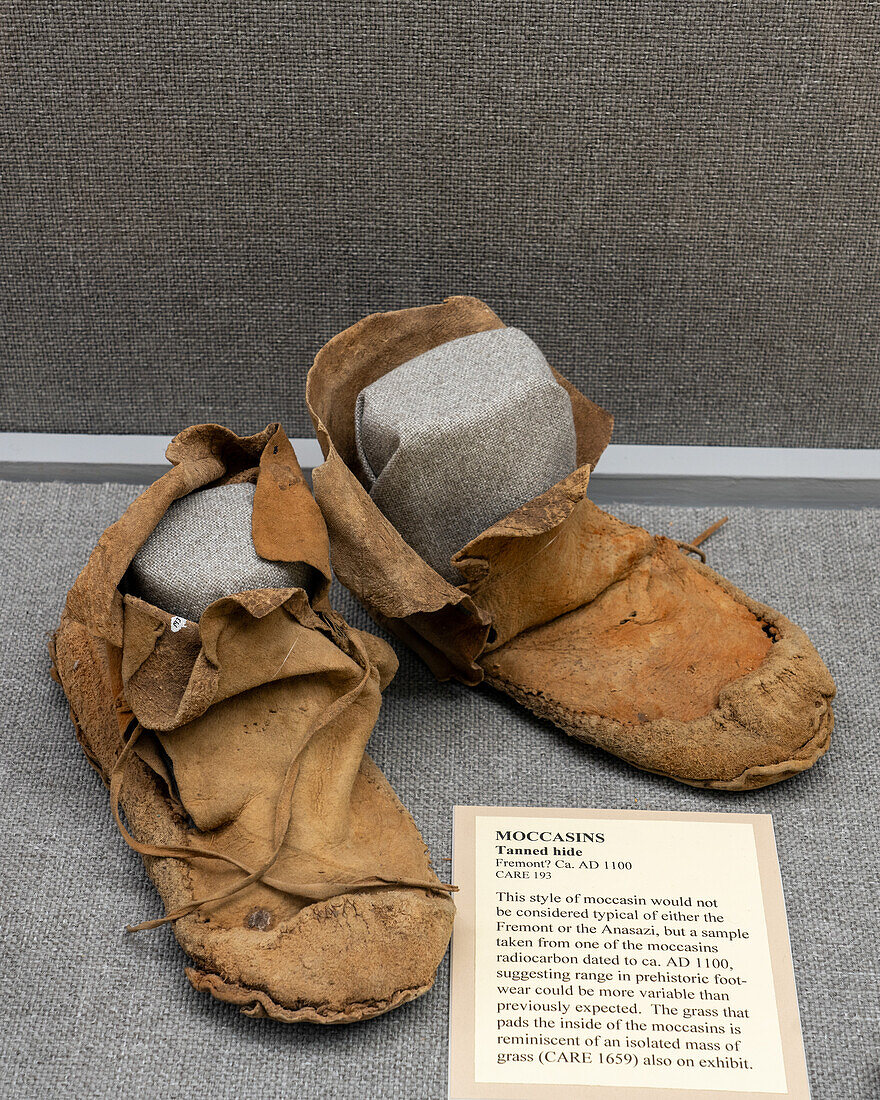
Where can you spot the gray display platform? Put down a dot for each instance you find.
(90, 1011)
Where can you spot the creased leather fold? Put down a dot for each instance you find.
(396, 585)
(545, 559)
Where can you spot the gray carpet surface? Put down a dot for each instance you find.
(89, 1011)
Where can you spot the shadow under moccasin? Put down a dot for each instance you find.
(615, 635)
(232, 734)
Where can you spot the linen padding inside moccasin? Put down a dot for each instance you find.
(460, 436)
(202, 550)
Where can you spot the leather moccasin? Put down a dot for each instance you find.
(614, 634)
(295, 880)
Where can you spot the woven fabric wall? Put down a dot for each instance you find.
(678, 201)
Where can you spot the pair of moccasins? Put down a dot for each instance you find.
(229, 714)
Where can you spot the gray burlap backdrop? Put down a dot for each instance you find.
(88, 1011)
(202, 549)
(677, 201)
(455, 439)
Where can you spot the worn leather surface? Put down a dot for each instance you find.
(608, 631)
(658, 641)
(350, 920)
(551, 556)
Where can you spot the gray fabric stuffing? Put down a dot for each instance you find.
(202, 550)
(459, 436)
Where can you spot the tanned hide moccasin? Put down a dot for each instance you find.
(426, 418)
(228, 706)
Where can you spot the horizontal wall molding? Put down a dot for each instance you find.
(769, 477)
(775, 477)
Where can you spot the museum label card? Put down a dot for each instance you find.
(614, 954)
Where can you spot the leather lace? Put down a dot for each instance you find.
(694, 547)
